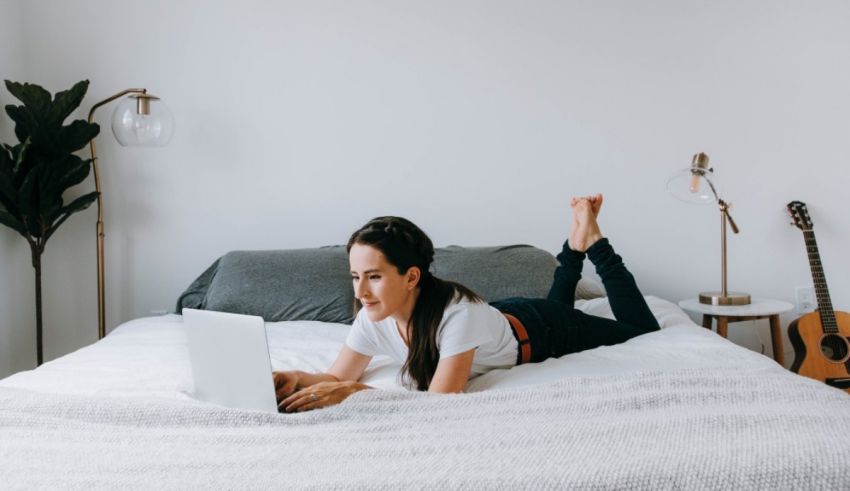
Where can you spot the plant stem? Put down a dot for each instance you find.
(36, 263)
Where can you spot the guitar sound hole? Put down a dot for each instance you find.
(834, 347)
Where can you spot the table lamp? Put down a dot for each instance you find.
(140, 119)
(697, 184)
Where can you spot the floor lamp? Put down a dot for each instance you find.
(697, 184)
(140, 119)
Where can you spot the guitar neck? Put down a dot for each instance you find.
(827, 314)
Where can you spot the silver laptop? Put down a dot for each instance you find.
(230, 359)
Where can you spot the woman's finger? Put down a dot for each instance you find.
(290, 399)
(308, 399)
(297, 404)
(297, 400)
(308, 407)
(282, 393)
(282, 389)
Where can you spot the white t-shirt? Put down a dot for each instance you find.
(465, 325)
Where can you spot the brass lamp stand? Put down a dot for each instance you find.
(698, 173)
(135, 122)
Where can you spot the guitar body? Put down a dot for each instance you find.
(818, 355)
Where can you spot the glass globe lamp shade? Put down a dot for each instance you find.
(142, 120)
(696, 186)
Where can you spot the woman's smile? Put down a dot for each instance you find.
(382, 289)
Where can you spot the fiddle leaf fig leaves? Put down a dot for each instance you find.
(76, 135)
(66, 101)
(10, 221)
(8, 193)
(78, 204)
(36, 100)
(36, 173)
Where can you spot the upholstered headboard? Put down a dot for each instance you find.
(315, 284)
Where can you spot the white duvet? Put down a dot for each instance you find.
(680, 408)
(148, 357)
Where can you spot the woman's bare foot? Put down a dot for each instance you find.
(595, 203)
(585, 230)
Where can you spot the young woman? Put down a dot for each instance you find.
(444, 333)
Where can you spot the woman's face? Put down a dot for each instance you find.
(379, 286)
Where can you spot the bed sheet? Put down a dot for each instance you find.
(148, 357)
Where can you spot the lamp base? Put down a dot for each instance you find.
(731, 298)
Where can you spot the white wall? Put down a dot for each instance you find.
(298, 121)
(17, 290)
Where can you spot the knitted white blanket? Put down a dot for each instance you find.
(690, 429)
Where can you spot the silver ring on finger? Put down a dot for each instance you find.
(313, 397)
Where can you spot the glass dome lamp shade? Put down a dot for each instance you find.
(696, 184)
(142, 120)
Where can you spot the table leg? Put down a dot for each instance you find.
(776, 338)
(706, 321)
(722, 325)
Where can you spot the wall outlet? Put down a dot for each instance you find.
(805, 299)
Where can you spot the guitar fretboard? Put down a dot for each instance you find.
(827, 315)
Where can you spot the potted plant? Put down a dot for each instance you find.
(36, 172)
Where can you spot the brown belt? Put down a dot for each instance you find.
(521, 336)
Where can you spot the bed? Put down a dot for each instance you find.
(681, 408)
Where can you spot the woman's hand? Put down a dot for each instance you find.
(329, 388)
(285, 383)
(319, 395)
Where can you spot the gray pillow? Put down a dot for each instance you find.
(315, 284)
(496, 273)
(195, 294)
(296, 284)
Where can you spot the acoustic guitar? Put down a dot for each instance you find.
(821, 339)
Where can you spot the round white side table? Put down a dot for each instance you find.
(759, 308)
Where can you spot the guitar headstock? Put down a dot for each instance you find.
(800, 214)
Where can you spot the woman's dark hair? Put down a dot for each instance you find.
(405, 245)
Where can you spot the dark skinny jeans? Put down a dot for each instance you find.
(555, 328)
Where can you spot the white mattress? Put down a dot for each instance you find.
(148, 357)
